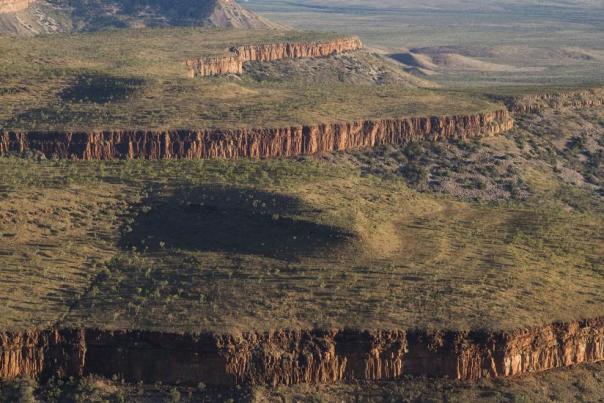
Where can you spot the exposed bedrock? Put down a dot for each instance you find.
(233, 64)
(42, 354)
(215, 66)
(303, 356)
(279, 51)
(253, 143)
(569, 99)
(13, 6)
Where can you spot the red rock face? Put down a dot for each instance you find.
(214, 66)
(42, 354)
(267, 53)
(303, 356)
(279, 51)
(12, 6)
(253, 143)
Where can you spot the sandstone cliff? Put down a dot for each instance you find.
(253, 143)
(13, 6)
(568, 99)
(302, 356)
(233, 64)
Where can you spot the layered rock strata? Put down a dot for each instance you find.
(571, 99)
(303, 356)
(13, 6)
(233, 64)
(252, 143)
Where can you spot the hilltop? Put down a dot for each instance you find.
(261, 212)
(137, 79)
(31, 17)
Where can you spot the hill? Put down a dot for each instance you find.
(156, 241)
(31, 17)
(137, 79)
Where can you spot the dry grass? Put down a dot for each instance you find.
(496, 43)
(414, 261)
(137, 79)
(53, 242)
(254, 245)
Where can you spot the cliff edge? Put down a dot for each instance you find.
(253, 143)
(233, 64)
(288, 357)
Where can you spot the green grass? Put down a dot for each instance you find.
(356, 240)
(136, 79)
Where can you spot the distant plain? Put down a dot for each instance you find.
(473, 44)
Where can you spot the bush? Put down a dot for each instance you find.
(413, 150)
(414, 173)
(174, 395)
(25, 391)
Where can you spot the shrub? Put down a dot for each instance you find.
(413, 173)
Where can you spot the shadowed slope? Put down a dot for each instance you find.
(32, 17)
(217, 218)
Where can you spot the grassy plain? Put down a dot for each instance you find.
(486, 44)
(500, 233)
(337, 241)
(137, 79)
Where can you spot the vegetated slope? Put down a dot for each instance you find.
(491, 43)
(556, 147)
(359, 67)
(584, 382)
(137, 80)
(328, 240)
(30, 17)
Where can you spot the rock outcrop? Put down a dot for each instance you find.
(233, 64)
(252, 143)
(42, 354)
(13, 6)
(229, 14)
(87, 15)
(569, 99)
(214, 66)
(299, 356)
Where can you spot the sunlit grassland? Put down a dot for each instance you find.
(137, 79)
(203, 246)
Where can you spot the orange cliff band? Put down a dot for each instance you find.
(255, 143)
(289, 357)
(204, 67)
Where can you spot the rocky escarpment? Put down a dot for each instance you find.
(13, 6)
(42, 354)
(303, 356)
(252, 143)
(233, 64)
(569, 99)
